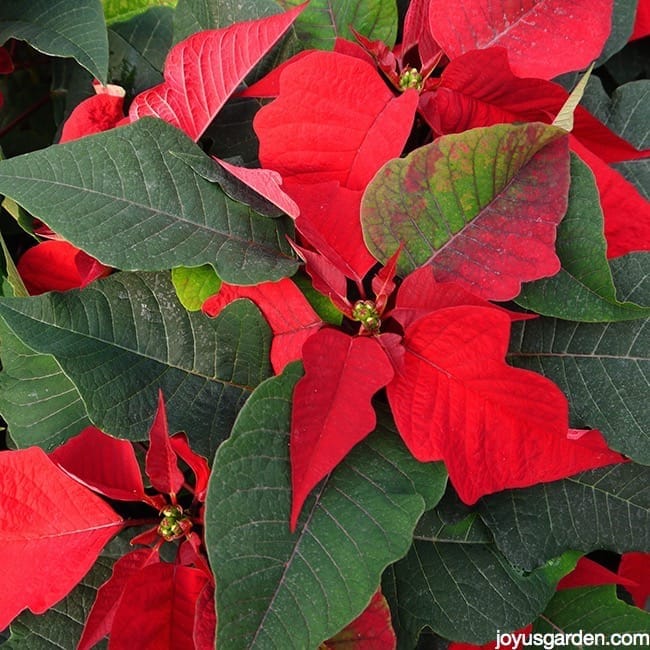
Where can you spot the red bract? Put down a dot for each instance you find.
(371, 630)
(98, 113)
(203, 71)
(332, 406)
(333, 124)
(51, 529)
(636, 568)
(57, 265)
(6, 67)
(540, 35)
(588, 573)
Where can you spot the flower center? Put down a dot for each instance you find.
(366, 312)
(174, 524)
(411, 78)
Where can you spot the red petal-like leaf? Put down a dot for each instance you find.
(636, 567)
(481, 207)
(57, 265)
(417, 32)
(198, 464)
(332, 408)
(202, 72)
(205, 620)
(289, 315)
(51, 531)
(265, 182)
(161, 462)
(420, 294)
(158, 608)
(372, 630)
(100, 620)
(495, 426)
(544, 38)
(102, 463)
(98, 113)
(480, 89)
(641, 20)
(6, 64)
(588, 573)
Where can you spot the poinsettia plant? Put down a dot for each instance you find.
(323, 324)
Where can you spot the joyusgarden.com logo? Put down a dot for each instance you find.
(550, 640)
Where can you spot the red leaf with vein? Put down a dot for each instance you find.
(372, 630)
(544, 38)
(286, 310)
(495, 426)
(205, 619)
(588, 573)
(51, 531)
(204, 70)
(481, 207)
(161, 462)
(158, 608)
(100, 619)
(332, 408)
(332, 126)
(102, 463)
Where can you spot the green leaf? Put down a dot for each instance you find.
(122, 10)
(470, 205)
(325, 20)
(471, 530)
(194, 285)
(593, 610)
(602, 368)
(138, 49)
(37, 400)
(607, 508)
(149, 210)
(11, 272)
(465, 592)
(638, 173)
(626, 112)
(195, 15)
(60, 28)
(122, 338)
(284, 590)
(583, 290)
(622, 24)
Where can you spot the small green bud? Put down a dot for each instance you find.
(411, 78)
(366, 313)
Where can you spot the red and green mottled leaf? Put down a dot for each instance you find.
(202, 72)
(102, 463)
(372, 630)
(158, 608)
(100, 620)
(541, 36)
(51, 531)
(161, 462)
(480, 207)
(332, 408)
(496, 427)
(286, 310)
(306, 135)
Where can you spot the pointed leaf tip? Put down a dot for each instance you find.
(161, 462)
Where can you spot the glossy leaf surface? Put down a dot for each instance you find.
(481, 207)
(264, 571)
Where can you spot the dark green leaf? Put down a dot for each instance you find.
(470, 530)
(622, 23)
(607, 508)
(593, 610)
(638, 173)
(583, 290)
(123, 198)
(122, 338)
(465, 592)
(60, 28)
(138, 49)
(602, 368)
(37, 400)
(325, 20)
(283, 590)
